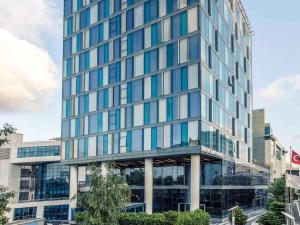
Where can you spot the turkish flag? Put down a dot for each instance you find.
(295, 158)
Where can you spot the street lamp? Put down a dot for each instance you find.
(233, 214)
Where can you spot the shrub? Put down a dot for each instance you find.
(197, 217)
(277, 207)
(271, 218)
(170, 217)
(240, 217)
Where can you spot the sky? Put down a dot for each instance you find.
(31, 55)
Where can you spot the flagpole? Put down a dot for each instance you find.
(290, 159)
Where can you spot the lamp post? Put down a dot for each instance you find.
(233, 214)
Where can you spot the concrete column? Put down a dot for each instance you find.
(40, 212)
(73, 189)
(104, 169)
(149, 185)
(195, 182)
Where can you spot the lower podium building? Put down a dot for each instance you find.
(33, 171)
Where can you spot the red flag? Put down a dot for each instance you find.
(295, 158)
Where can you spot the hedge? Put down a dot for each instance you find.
(197, 217)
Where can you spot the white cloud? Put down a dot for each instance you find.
(28, 75)
(280, 89)
(30, 19)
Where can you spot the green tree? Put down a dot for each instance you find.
(5, 195)
(240, 216)
(103, 203)
(4, 132)
(277, 190)
(270, 218)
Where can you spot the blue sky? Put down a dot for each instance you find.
(34, 107)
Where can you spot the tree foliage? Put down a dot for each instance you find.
(271, 218)
(5, 195)
(4, 132)
(277, 190)
(240, 216)
(103, 203)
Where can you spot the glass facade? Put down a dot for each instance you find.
(51, 181)
(147, 77)
(24, 213)
(56, 212)
(38, 151)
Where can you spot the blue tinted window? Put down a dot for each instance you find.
(153, 112)
(129, 92)
(68, 108)
(93, 123)
(135, 41)
(153, 138)
(66, 129)
(129, 68)
(151, 9)
(194, 104)
(137, 142)
(103, 54)
(69, 67)
(84, 61)
(94, 80)
(78, 84)
(103, 9)
(56, 212)
(67, 47)
(67, 7)
(129, 19)
(116, 95)
(24, 213)
(105, 144)
(183, 23)
(100, 145)
(176, 26)
(147, 113)
(77, 127)
(100, 123)
(176, 140)
(151, 61)
(103, 99)
(160, 137)
(184, 134)
(176, 80)
(84, 18)
(70, 26)
(79, 4)
(175, 108)
(94, 35)
(129, 141)
(114, 72)
(116, 143)
(184, 78)
(155, 34)
(137, 90)
(194, 47)
(117, 5)
(79, 42)
(169, 109)
(171, 6)
(129, 116)
(66, 88)
(172, 54)
(117, 48)
(115, 26)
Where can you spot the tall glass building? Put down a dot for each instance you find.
(164, 88)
